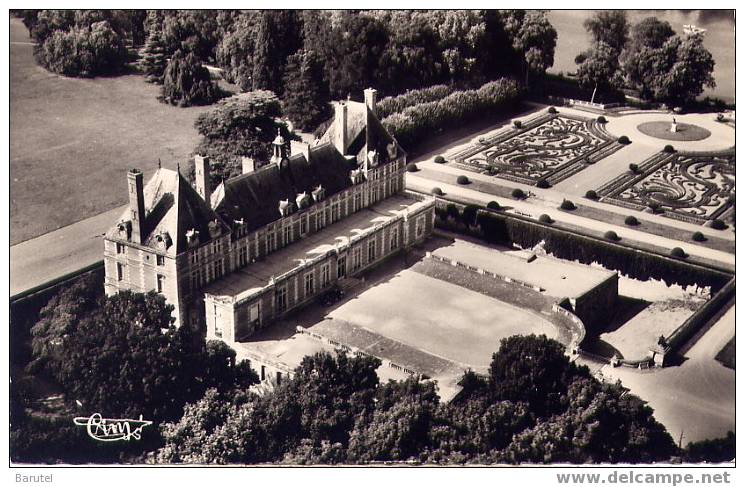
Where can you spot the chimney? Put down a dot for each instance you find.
(371, 100)
(247, 164)
(340, 126)
(136, 205)
(202, 176)
(300, 148)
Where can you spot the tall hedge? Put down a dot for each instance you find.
(417, 122)
(637, 264)
(186, 82)
(394, 104)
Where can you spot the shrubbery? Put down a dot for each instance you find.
(602, 119)
(718, 224)
(669, 149)
(591, 194)
(517, 124)
(623, 140)
(83, 51)
(394, 104)
(493, 205)
(186, 82)
(611, 235)
(440, 160)
(411, 167)
(634, 168)
(631, 221)
(463, 179)
(552, 110)
(567, 205)
(417, 122)
(544, 218)
(543, 183)
(437, 191)
(698, 237)
(678, 253)
(518, 194)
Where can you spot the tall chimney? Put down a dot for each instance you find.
(202, 176)
(340, 123)
(300, 148)
(371, 100)
(247, 165)
(136, 205)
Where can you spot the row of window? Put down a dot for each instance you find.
(121, 249)
(160, 279)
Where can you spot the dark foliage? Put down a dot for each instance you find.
(440, 160)
(411, 167)
(462, 179)
(517, 124)
(611, 235)
(543, 183)
(669, 149)
(678, 253)
(186, 82)
(718, 224)
(518, 194)
(544, 218)
(305, 99)
(711, 451)
(631, 220)
(437, 191)
(624, 140)
(602, 119)
(698, 237)
(567, 205)
(493, 205)
(591, 194)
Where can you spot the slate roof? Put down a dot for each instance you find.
(255, 197)
(172, 207)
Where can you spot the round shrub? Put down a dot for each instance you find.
(720, 117)
(601, 119)
(552, 110)
(623, 140)
(545, 219)
(678, 253)
(568, 205)
(518, 194)
(411, 167)
(440, 160)
(542, 183)
(631, 221)
(611, 235)
(436, 191)
(492, 205)
(591, 194)
(668, 149)
(718, 224)
(517, 124)
(634, 168)
(463, 179)
(698, 237)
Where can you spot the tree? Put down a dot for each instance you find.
(235, 51)
(610, 27)
(305, 99)
(125, 359)
(242, 125)
(691, 71)
(535, 370)
(277, 37)
(154, 60)
(534, 37)
(600, 69)
(186, 82)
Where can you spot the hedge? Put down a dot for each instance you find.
(394, 104)
(543, 183)
(436, 191)
(518, 194)
(631, 220)
(418, 122)
(567, 205)
(440, 160)
(591, 194)
(698, 237)
(462, 179)
(635, 263)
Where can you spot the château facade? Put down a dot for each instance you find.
(234, 259)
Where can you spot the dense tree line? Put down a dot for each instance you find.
(648, 56)
(535, 407)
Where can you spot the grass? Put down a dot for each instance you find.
(72, 140)
(686, 131)
(727, 355)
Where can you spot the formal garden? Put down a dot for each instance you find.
(545, 149)
(693, 187)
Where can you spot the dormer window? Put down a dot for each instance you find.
(372, 158)
(303, 200)
(392, 150)
(125, 229)
(285, 208)
(163, 240)
(319, 193)
(214, 228)
(357, 176)
(192, 237)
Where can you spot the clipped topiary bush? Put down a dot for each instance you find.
(437, 191)
(517, 124)
(591, 194)
(631, 220)
(411, 167)
(518, 194)
(653, 207)
(668, 149)
(601, 119)
(634, 168)
(698, 237)
(568, 205)
(623, 140)
(552, 110)
(611, 235)
(543, 183)
(440, 160)
(493, 205)
(545, 219)
(463, 179)
(720, 117)
(678, 253)
(718, 224)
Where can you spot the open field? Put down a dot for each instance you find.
(72, 140)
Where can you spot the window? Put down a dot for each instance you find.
(270, 242)
(335, 209)
(195, 280)
(160, 283)
(341, 267)
(218, 328)
(325, 275)
(309, 284)
(218, 268)
(288, 234)
(371, 250)
(356, 259)
(195, 257)
(357, 201)
(394, 238)
(253, 314)
(160, 259)
(321, 219)
(419, 227)
(303, 224)
(281, 299)
(263, 373)
(120, 248)
(279, 378)
(119, 271)
(243, 256)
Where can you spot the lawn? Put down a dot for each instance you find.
(72, 140)
(440, 318)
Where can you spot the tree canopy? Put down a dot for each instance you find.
(186, 82)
